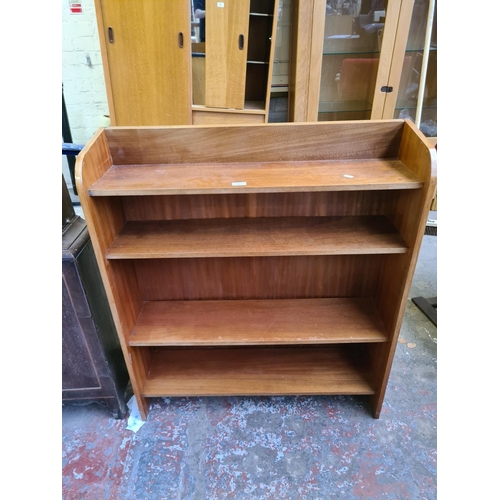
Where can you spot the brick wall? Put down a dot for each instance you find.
(84, 88)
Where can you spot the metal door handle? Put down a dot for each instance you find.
(241, 42)
(111, 36)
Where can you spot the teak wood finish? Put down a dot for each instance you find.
(293, 283)
(273, 322)
(152, 79)
(226, 53)
(283, 236)
(146, 50)
(239, 372)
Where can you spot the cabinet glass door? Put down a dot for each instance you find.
(417, 96)
(352, 48)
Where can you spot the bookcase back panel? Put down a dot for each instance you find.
(258, 277)
(348, 140)
(220, 206)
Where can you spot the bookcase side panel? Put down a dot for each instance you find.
(104, 219)
(409, 217)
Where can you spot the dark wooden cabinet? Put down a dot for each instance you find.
(93, 368)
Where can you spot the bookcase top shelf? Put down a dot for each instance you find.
(254, 177)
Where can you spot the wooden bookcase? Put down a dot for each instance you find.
(258, 259)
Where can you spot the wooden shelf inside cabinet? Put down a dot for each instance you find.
(343, 107)
(251, 107)
(257, 371)
(258, 259)
(258, 322)
(257, 237)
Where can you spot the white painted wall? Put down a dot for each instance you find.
(84, 88)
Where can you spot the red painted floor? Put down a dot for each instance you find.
(271, 448)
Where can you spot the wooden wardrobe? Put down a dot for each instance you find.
(152, 64)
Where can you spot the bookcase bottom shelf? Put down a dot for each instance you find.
(262, 371)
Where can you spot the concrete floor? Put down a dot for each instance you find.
(272, 447)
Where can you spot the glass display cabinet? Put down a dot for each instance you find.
(356, 54)
(352, 44)
(417, 94)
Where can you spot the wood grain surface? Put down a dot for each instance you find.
(225, 65)
(248, 322)
(216, 206)
(104, 219)
(218, 117)
(259, 371)
(250, 237)
(270, 177)
(258, 277)
(149, 72)
(230, 324)
(410, 218)
(271, 142)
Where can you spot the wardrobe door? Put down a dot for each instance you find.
(226, 53)
(146, 50)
